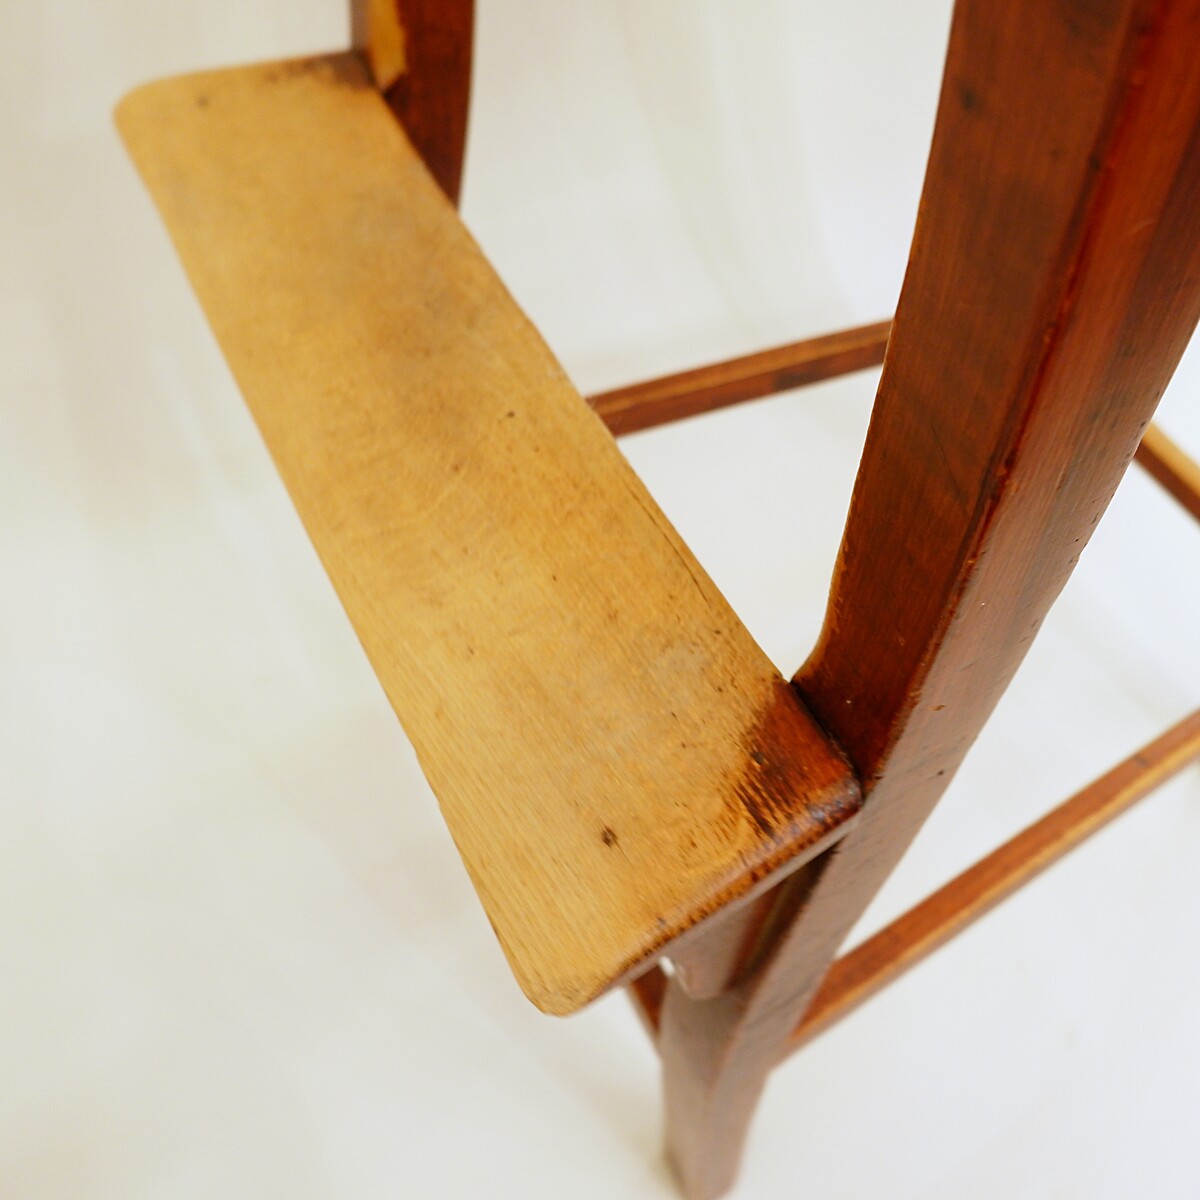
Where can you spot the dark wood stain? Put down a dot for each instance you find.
(774, 782)
(774, 791)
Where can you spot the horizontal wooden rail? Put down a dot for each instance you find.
(1171, 468)
(718, 385)
(857, 976)
(869, 968)
(753, 376)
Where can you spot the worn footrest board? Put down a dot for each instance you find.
(613, 754)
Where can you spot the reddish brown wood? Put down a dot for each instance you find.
(1171, 468)
(689, 393)
(432, 91)
(731, 944)
(911, 938)
(1053, 283)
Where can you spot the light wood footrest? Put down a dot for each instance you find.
(613, 754)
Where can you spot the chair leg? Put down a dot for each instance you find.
(717, 1052)
(711, 1088)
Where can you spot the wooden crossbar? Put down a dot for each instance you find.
(1171, 468)
(733, 381)
(887, 955)
(883, 958)
(750, 377)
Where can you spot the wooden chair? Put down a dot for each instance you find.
(626, 776)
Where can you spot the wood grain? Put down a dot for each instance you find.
(614, 755)
(1053, 283)
(1171, 468)
(420, 56)
(718, 385)
(911, 938)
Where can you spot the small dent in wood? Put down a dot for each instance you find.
(969, 98)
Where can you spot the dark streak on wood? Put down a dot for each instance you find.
(774, 777)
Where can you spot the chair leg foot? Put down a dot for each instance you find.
(713, 1076)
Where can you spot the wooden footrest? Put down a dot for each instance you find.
(613, 754)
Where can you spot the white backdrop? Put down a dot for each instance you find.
(240, 958)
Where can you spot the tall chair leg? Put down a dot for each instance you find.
(1053, 284)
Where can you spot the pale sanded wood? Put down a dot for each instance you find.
(613, 754)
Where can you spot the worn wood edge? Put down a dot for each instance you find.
(814, 822)
(836, 815)
(887, 955)
(1170, 466)
(660, 401)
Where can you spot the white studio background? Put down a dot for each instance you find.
(240, 958)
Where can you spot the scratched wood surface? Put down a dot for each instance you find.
(614, 755)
